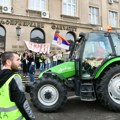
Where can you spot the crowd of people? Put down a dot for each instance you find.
(32, 61)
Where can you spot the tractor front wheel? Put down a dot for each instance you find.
(108, 89)
(49, 94)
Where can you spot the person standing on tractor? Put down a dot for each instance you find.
(99, 50)
(13, 103)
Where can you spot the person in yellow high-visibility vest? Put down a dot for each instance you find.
(13, 103)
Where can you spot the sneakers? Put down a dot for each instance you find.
(25, 76)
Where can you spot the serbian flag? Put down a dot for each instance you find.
(60, 42)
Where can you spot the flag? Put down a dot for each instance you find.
(60, 41)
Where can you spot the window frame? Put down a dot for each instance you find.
(94, 18)
(3, 42)
(33, 39)
(69, 4)
(113, 22)
(33, 5)
(6, 3)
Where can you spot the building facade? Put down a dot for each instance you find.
(38, 20)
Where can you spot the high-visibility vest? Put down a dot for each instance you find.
(40, 60)
(8, 109)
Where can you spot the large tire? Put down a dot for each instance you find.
(49, 94)
(108, 89)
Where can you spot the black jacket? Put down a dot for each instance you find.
(16, 92)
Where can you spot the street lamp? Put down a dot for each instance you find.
(18, 31)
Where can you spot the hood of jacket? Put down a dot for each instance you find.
(5, 75)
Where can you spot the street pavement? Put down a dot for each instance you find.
(77, 110)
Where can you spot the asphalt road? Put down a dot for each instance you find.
(77, 110)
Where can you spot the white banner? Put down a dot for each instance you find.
(42, 48)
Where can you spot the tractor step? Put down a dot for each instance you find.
(87, 92)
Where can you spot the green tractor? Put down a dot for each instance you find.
(92, 73)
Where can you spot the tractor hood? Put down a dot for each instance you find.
(66, 69)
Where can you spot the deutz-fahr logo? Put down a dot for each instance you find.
(64, 69)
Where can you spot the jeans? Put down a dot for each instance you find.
(41, 67)
(48, 65)
(31, 77)
(54, 63)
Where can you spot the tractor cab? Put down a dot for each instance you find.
(92, 51)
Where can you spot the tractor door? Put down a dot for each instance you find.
(96, 50)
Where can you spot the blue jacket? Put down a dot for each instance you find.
(32, 69)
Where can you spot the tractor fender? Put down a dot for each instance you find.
(28, 86)
(105, 65)
(61, 77)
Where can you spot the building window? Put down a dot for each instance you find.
(69, 7)
(2, 39)
(37, 36)
(5, 3)
(38, 5)
(93, 15)
(113, 18)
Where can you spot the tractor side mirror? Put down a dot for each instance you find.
(82, 34)
(71, 45)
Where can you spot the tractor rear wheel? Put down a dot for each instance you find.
(108, 89)
(49, 94)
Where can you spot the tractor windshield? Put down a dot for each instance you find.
(97, 48)
(116, 42)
